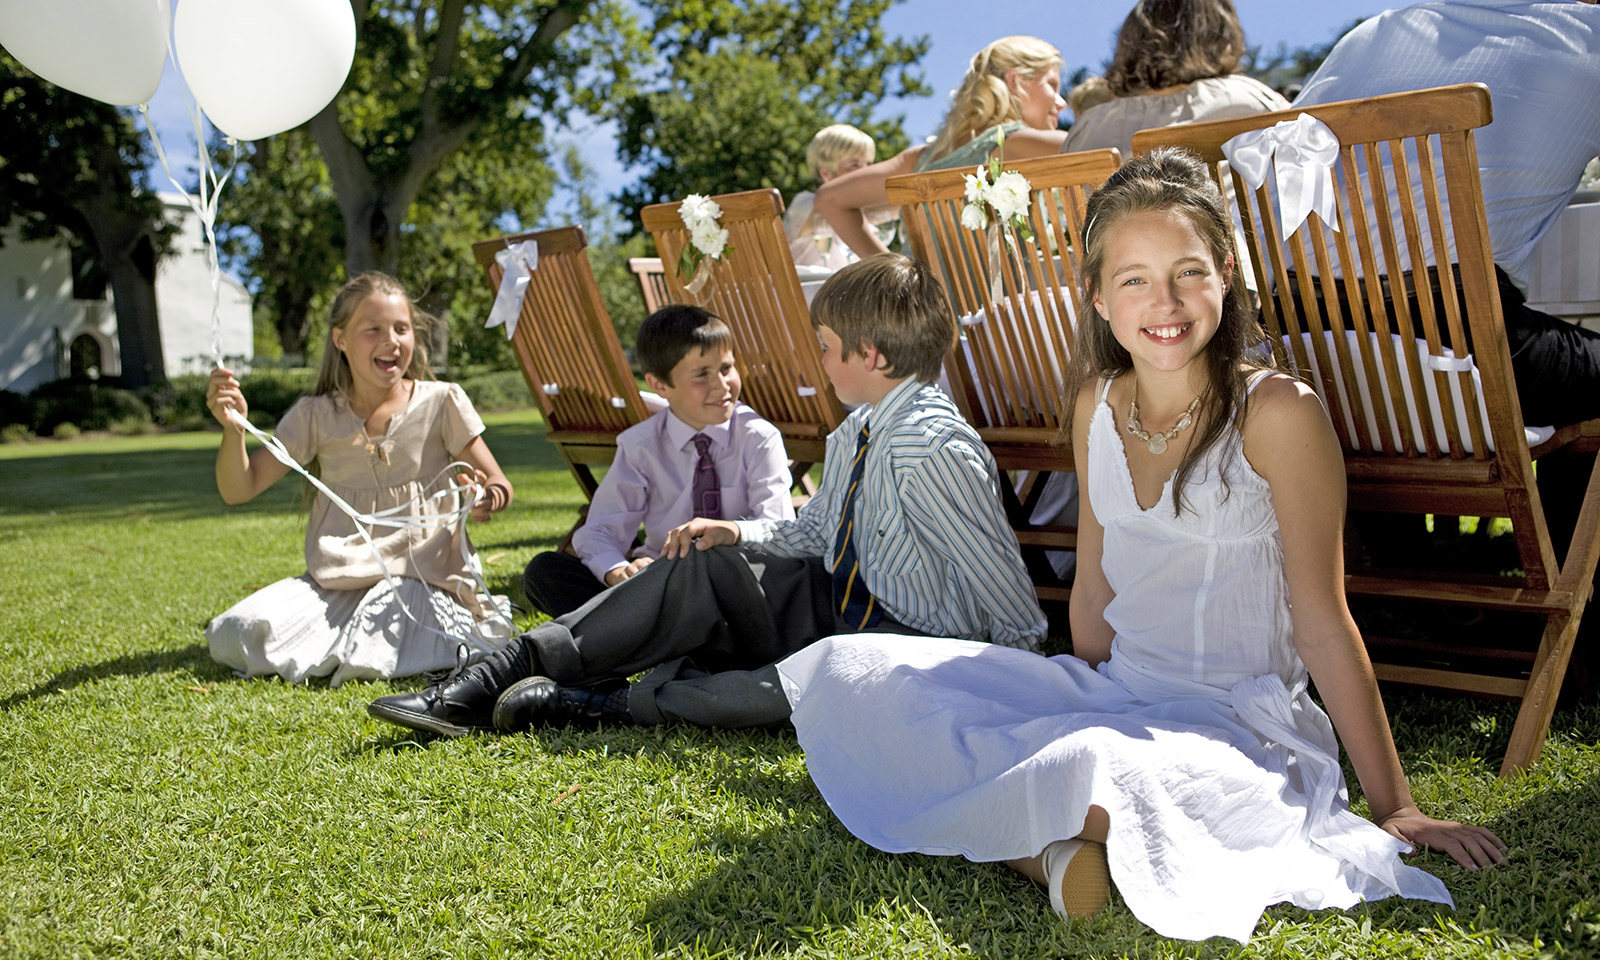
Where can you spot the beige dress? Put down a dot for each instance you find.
(340, 618)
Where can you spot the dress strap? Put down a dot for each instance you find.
(1256, 379)
(1105, 388)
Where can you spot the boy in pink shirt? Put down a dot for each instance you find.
(660, 477)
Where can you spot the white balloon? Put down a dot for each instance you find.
(111, 50)
(260, 67)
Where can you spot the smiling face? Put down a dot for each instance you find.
(377, 341)
(1039, 98)
(1160, 289)
(704, 388)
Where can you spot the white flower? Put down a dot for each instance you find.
(696, 209)
(973, 217)
(1009, 195)
(709, 239)
(977, 184)
(699, 215)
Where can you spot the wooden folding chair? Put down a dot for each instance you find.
(652, 282)
(569, 352)
(1371, 317)
(755, 290)
(1008, 370)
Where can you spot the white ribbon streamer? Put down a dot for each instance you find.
(517, 263)
(1305, 151)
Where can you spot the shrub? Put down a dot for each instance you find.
(15, 433)
(89, 405)
(504, 390)
(131, 425)
(65, 430)
(273, 392)
(15, 408)
(180, 402)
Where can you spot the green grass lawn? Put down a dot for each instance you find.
(151, 805)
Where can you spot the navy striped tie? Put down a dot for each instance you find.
(857, 606)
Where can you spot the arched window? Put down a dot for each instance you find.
(84, 358)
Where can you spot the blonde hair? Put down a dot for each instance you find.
(984, 99)
(334, 375)
(1088, 95)
(837, 143)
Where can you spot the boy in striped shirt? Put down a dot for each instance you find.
(905, 535)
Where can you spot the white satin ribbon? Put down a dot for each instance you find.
(1305, 151)
(517, 261)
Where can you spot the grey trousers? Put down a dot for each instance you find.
(708, 627)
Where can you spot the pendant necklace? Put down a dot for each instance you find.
(1157, 442)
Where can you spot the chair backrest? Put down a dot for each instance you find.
(652, 282)
(1009, 368)
(564, 342)
(1394, 317)
(753, 287)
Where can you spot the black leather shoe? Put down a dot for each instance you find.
(540, 701)
(460, 704)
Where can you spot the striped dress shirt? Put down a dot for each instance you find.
(935, 546)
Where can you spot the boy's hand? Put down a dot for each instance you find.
(223, 394)
(699, 534)
(480, 510)
(616, 575)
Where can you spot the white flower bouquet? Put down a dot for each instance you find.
(1002, 197)
(708, 239)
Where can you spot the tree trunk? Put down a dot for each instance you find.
(291, 303)
(128, 251)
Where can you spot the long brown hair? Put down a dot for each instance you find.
(334, 374)
(1170, 179)
(1164, 43)
(984, 100)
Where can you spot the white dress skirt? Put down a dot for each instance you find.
(1219, 772)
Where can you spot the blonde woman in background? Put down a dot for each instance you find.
(1012, 89)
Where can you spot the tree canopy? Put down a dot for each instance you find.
(745, 84)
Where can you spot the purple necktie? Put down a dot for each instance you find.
(706, 495)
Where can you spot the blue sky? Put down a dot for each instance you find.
(1084, 30)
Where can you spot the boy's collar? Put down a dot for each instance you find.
(680, 433)
(893, 399)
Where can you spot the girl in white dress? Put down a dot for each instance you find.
(1181, 743)
(383, 434)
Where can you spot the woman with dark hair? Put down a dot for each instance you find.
(1176, 61)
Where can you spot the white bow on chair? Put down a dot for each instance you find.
(1306, 151)
(517, 263)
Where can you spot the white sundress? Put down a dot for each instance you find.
(1219, 772)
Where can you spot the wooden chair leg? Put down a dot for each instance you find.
(1539, 700)
(1559, 639)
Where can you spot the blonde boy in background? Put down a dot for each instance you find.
(833, 152)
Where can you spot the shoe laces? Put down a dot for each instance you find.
(438, 680)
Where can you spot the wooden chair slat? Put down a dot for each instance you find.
(565, 340)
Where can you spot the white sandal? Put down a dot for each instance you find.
(1080, 881)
